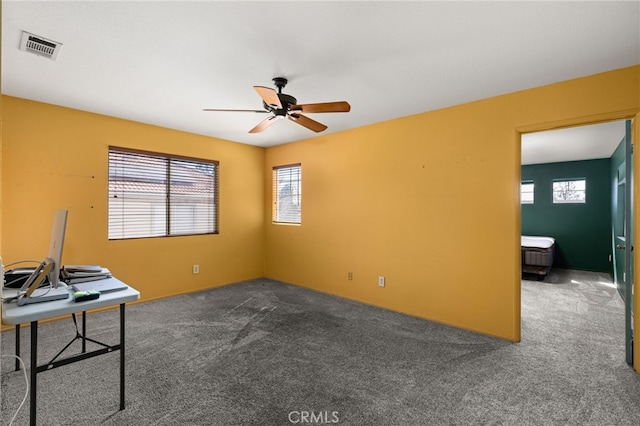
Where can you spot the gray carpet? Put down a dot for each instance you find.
(266, 353)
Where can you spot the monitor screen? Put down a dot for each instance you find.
(56, 244)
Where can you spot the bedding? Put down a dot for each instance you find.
(537, 254)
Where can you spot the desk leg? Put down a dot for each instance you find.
(84, 331)
(17, 347)
(122, 356)
(34, 364)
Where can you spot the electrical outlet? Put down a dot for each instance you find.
(381, 281)
(350, 276)
(196, 269)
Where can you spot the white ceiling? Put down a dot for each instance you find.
(574, 143)
(163, 62)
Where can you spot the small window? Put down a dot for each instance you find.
(570, 191)
(155, 195)
(526, 192)
(287, 194)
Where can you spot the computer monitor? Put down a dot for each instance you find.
(56, 244)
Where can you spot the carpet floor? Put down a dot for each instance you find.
(267, 353)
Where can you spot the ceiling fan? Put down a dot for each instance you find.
(281, 105)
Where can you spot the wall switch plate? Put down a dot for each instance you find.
(350, 276)
(196, 269)
(381, 281)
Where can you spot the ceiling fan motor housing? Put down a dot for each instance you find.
(285, 100)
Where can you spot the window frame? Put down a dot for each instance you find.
(569, 180)
(168, 186)
(275, 212)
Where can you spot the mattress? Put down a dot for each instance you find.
(537, 254)
(537, 242)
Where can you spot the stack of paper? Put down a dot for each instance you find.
(82, 273)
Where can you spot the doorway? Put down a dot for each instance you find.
(592, 224)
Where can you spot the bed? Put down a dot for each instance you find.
(537, 254)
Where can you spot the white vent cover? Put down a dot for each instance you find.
(40, 45)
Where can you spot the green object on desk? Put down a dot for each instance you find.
(83, 295)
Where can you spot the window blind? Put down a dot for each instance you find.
(154, 195)
(287, 194)
(527, 192)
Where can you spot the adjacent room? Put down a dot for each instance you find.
(573, 223)
(316, 210)
(569, 191)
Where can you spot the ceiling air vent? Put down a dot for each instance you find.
(40, 45)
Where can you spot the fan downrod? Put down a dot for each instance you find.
(280, 82)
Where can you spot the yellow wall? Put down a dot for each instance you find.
(54, 157)
(429, 201)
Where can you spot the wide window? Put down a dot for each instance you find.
(570, 191)
(287, 194)
(526, 192)
(155, 195)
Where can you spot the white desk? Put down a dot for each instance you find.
(12, 314)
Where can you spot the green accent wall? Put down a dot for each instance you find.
(582, 231)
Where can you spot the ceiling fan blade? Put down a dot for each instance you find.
(341, 106)
(307, 122)
(269, 96)
(234, 110)
(264, 124)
